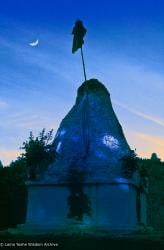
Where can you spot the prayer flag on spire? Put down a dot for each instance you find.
(79, 32)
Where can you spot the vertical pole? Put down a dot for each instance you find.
(83, 64)
(86, 112)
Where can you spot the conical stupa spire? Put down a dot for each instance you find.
(90, 138)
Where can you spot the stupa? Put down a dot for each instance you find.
(88, 183)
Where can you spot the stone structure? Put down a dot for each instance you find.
(88, 184)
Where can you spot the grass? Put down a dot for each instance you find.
(85, 241)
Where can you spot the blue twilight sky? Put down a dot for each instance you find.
(124, 49)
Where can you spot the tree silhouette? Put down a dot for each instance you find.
(1, 166)
(38, 153)
(13, 193)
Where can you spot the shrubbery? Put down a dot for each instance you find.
(13, 191)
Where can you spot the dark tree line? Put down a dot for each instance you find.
(13, 194)
(37, 155)
(153, 169)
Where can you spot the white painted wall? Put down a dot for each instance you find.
(112, 205)
(47, 205)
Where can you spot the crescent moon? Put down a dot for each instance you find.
(34, 44)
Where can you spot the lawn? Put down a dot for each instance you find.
(81, 241)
